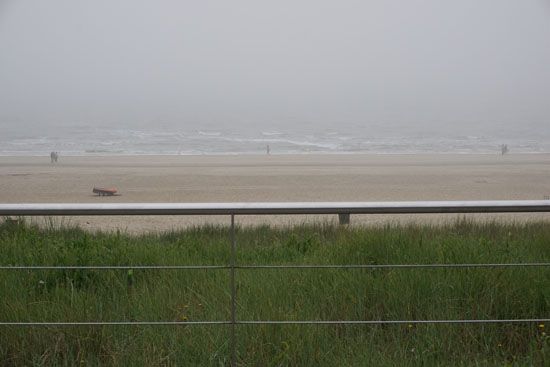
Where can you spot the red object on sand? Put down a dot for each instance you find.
(105, 191)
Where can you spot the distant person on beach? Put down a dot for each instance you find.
(268, 150)
(503, 149)
(54, 156)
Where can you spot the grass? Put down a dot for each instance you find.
(275, 294)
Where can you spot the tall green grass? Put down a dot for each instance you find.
(275, 294)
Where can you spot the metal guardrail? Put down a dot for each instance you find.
(384, 207)
(343, 209)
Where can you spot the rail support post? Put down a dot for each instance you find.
(343, 218)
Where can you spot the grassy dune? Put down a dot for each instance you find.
(275, 294)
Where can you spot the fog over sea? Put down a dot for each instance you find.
(84, 139)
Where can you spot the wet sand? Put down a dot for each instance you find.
(250, 178)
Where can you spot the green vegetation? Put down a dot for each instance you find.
(275, 294)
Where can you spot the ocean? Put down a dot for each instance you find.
(94, 140)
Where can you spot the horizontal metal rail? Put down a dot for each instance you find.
(389, 207)
(298, 266)
(278, 322)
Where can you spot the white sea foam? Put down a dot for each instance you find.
(209, 133)
(90, 140)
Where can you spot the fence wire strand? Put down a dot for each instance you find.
(277, 322)
(289, 266)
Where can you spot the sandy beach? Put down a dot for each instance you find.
(249, 178)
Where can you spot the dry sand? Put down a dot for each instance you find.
(248, 178)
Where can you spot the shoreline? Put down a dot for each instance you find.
(232, 154)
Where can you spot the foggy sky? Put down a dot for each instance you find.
(443, 63)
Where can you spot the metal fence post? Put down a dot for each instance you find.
(233, 336)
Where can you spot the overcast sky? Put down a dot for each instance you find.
(442, 63)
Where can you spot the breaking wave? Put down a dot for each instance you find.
(133, 141)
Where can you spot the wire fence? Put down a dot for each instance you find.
(342, 209)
